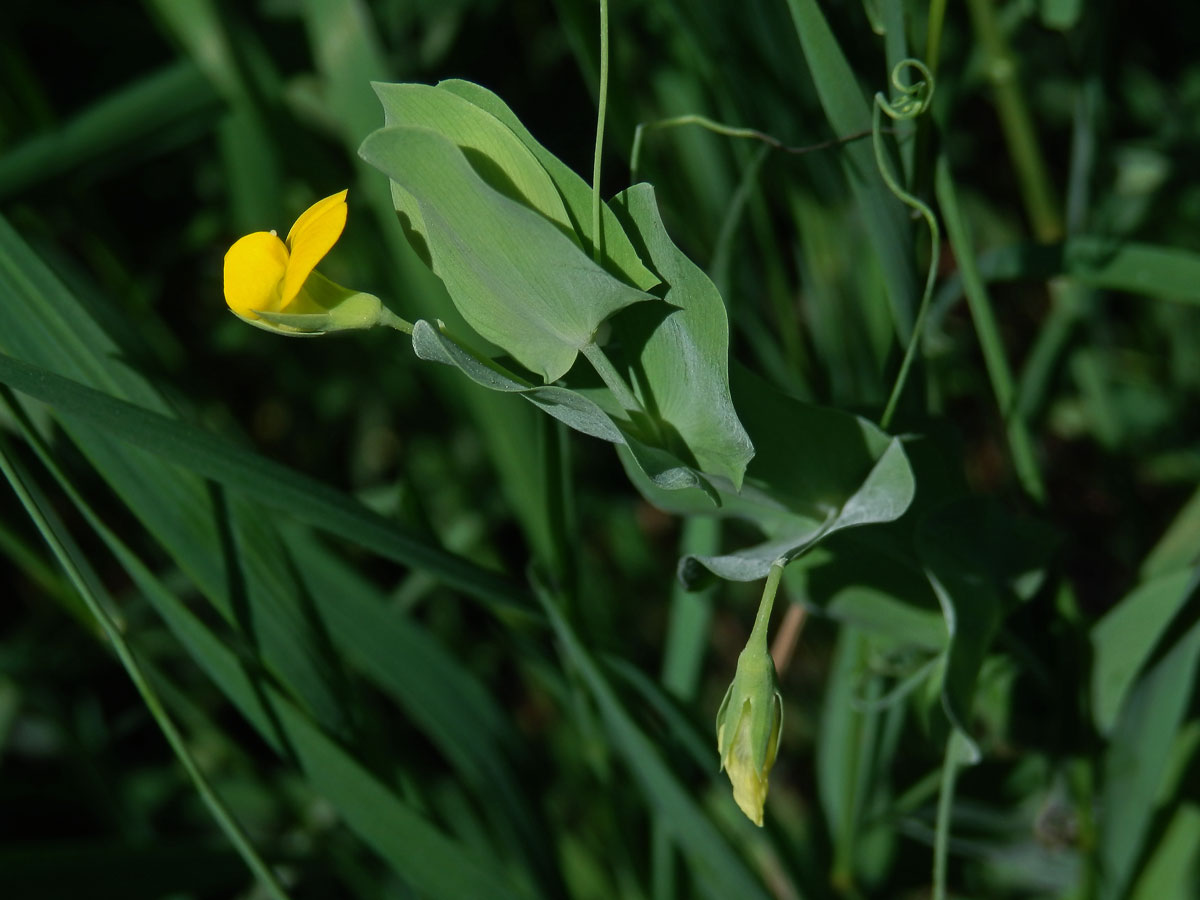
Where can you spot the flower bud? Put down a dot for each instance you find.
(748, 727)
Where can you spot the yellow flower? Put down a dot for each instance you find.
(264, 273)
(748, 729)
(274, 285)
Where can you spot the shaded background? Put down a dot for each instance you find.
(138, 141)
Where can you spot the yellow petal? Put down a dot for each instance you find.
(313, 235)
(749, 784)
(254, 267)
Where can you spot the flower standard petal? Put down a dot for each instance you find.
(313, 235)
(254, 267)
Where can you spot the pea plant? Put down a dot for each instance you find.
(690, 530)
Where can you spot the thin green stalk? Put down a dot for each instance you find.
(391, 320)
(1033, 175)
(762, 619)
(1019, 440)
(639, 132)
(559, 487)
(611, 377)
(1081, 779)
(88, 588)
(598, 248)
(922, 155)
(913, 100)
(1069, 300)
(690, 615)
(689, 620)
(662, 861)
(933, 34)
(941, 835)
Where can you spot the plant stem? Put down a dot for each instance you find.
(1020, 443)
(904, 113)
(933, 34)
(597, 235)
(555, 450)
(762, 618)
(611, 377)
(391, 320)
(87, 586)
(1033, 176)
(728, 131)
(941, 836)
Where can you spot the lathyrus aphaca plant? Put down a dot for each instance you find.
(543, 273)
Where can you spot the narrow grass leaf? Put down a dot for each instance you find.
(718, 870)
(416, 849)
(1113, 264)
(81, 574)
(1136, 760)
(979, 560)
(119, 130)
(440, 696)
(266, 482)
(849, 113)
(1122, 641)
(215, 539)
(1173, 870)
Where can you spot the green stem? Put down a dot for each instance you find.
(690, 616)
(598, 240)
(1019, 440)
(1033, 176)
(727, 131)
(762, 618)
(555, 448)
(611, 377)
(1080, 778)
(911, 103)
(391, 320)
(933, 34)
(941, 836)
(85, 584)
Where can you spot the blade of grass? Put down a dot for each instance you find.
(1105, 263)
(267, 482)
(221, 542)
(690, 613)
(123, 128)
(436, 692)
(1136, 758)
(849, 113)
(88, 585)
(1019, 440)
(1002, 67)
(421, 853)
(717, 869)
(250, 151)
(452, 710)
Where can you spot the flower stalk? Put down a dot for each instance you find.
(750, 720)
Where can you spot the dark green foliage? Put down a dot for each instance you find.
(450, 617)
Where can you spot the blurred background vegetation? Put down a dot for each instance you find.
(386, 721)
